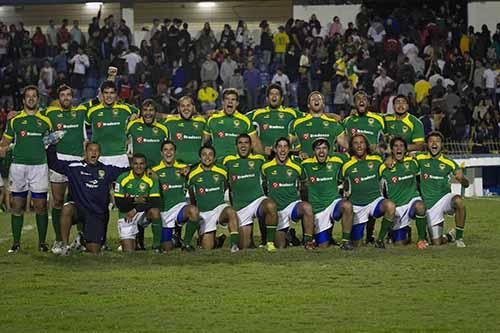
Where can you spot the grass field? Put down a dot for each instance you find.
(439, 289)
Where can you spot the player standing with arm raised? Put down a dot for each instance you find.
(322, 176)
(207, 183)
(172, 177)
(138, 200)
(247, 193)
(29, 171)
(284, 179)
(400, 181)
(71, 120)
(362, 182)
(435, 173)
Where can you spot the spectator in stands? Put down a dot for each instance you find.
(242, 35)
(252, 84)
(227, 70)
(52, 38)
(63, 35)
(207, 96)
(81, 63)
(266, 44)
(205, 41)
(209, 71)
(282, 79)
(39, 43)
(335, 27)
(281, 41)
(76, 34)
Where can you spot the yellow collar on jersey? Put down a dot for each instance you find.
(288, 163)
(162, 165)
(199, 170)
(237, 157)
(130, 177)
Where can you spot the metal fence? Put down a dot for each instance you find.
(469, 148)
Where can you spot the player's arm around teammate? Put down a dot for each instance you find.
(247, 193)
(207, 184)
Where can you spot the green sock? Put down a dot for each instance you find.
(459, 232)
(191, 228)
(384, 228)
(156, 227)
(42, 223)
(307, 238)
(234, 238)
(421, 222)
(346, 236)
(17, 226)
(270, 232)
(56, 223)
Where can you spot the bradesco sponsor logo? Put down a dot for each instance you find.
(26, 133)
(182, 136)
(427, 176)
(314, 179)
(222, 134)
(203, 190)
(308, 136)
(167, 187)
(359, 180)
(265, 127)
(279, 185)
(60, 126)
(240, 177)
(396, 179)
(141, 139)
(107, 124)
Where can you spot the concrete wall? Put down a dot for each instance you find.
(325, 14)
(484, 12)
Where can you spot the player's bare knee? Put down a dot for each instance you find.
(193, 213)
(458, 203)
(420, 208)
(270, 207)
(154, 214)
(307, 209)
(40, 207)
(390, 208)
(346, 206)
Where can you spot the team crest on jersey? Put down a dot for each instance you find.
(101, 173)
(155, 130)
(442, 166)
(39, 123)
(325, 124)
(178, 174)
(289, 172)
(195, 125)
(407, 165)
(115, 112)
(405, 129)
(371, 121)
(251, 164)
(329, 166)
(236, 123)
(73, 114)
(142, 187)
(370, 165)
(281, 115)
(216, 178)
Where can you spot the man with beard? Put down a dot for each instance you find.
(247, 193)
(224, 126)
(400, 181)
(316, 125)
(322, 176)
(29, 171)
(71, 120)
(435, 173)
(362, 183)
(186, 131)
(207, 184)
(405, 125)
(284, 179)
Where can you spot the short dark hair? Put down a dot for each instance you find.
(434, 133)
(139, 155)
(282, 139)
(64, 87)
(231, 91)
(367, 143)
(243, 135)
(88, 143)
(400, 96)
(149, 102)
(31, 87)
(207, 147)
(320, 141)
(274, 86)
(168, 142)
(108, 84)
(398, 138)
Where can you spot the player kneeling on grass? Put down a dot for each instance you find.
(400, 181)
(207, 184)
(435, 173)
(137, 197)
(172, 177)
(322, 177)
(283, 177)
(247, 193)
(362, 180)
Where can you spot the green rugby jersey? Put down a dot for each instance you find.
(244, 178)
(282, 181)
(187, 136)
(109, 125)
(308, 128)
(401, 180)
(224, 130)
(323, 180)
(271, 124)
(409, 128)
(208, 187)
(173, 184)
(28, 131)
(128, 186)
(435, 174)
(71, 121)
(363, 179)
(371, 125)
(147, 139)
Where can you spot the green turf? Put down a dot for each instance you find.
(439, 289)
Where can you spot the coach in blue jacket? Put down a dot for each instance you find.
(89, 181)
